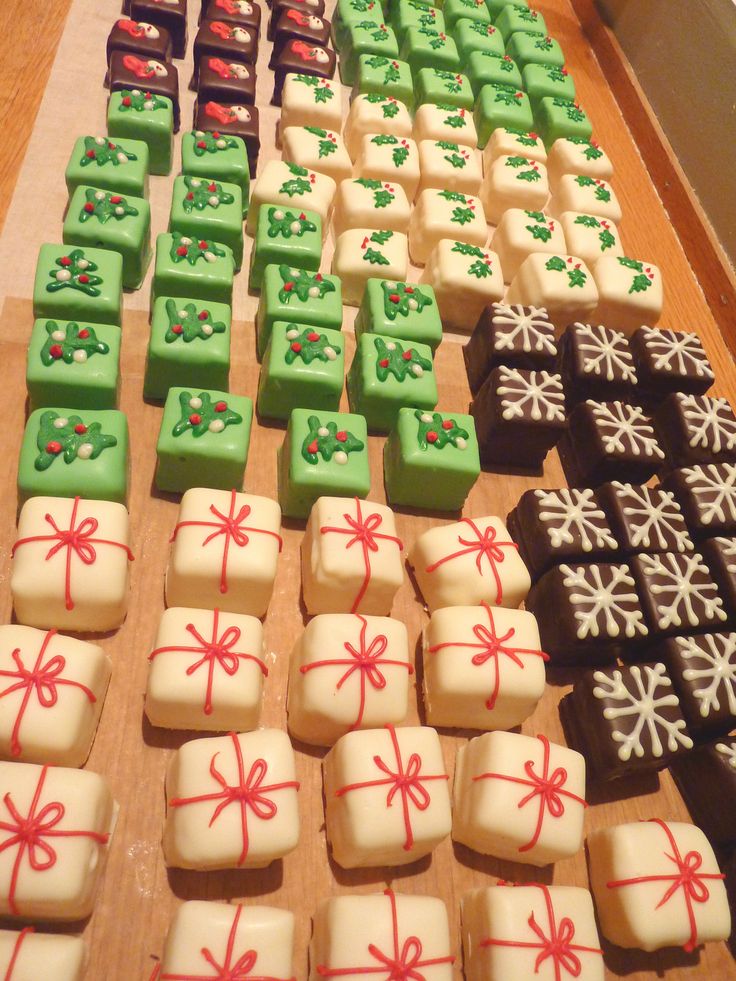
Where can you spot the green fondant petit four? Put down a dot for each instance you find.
(541, 81)
(529, 48)
(423, 47)
(495, 7)
(365, 37)
(557, 118)
(404, 311)
(137, 115)
(303, 367)
(78, 284)
(205, 208)
(285, 235)
(484, 68)
(474, 35)
(501, 105)
(387, 76)
(115, 165)
(196, 267)
(70, 363)
(350, 12)
(475, 10)
(299, 296)
(411, 13)
(442, 87)
(219, 157)
(515, 18)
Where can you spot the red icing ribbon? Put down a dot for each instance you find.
(217, 650)
(28, 834)
(249, 792)
(223, 114)
(407, 781)
(363, 531)
(491, 647)
(402, 964)
(131, 27)
(228, 970)
(77, 541)
(486, 546)
(558, 945)
(227, 5)
(365, 660)
(221, 29)
(220, 67)
(42, 679)
(548, 787)
(231, 526)
(16, 951)
(296, 15)
(304, 50)
(687, 878)
(139, 67)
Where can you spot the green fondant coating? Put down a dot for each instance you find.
(208, 209)
(496, 6)
(556, 118)
(200, 268)
(220, 158)
(387, 76)
(72, 363)
(541, 81)
(534, 49)
(443, 88)
(424, 47)
(491, 69)
(403, 311)
(409, 13)
(365, 37)
(349, 12)
(474, 10)
(518, 18)
(285, 235)
(205, 416)
(299, 296)
(302, 367)
(123, 170)
(78, 284)
(501, 105)
(473, 35)
(145, 117)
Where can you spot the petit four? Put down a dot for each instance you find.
(203, 208)
(228, 82)
(703, 671)
(171, 15)
(562, 284)
(678, 594)
(411, 13)
(644, 519)
(131, 71)
(474, 10)
(375, 113)
(489, 68)
(425, 48)
(405, 311)
(518, 17)
(520, 232)
(299, 57)
(445, 122)
(559, 118)
(225, 40)
(529, 48)
(513, 182)
(591, 238)
(78, 284)
(448, 215)
(302, 367)
(576, 155)
(586, 196)
(308, 100)
(547, 81)
(516, 336)
(138, 114)
(27, 954)
(629, 292)
(442, 87)
(287, 185)
(476, 35)
(230, 120)
(200, 268)
(349, 12)
(317, 149)
(216, 156)
(696, 429)
(501, 105)
(287, 24)
(465, 279)
(387, 158)
(707, 495)
(670, 361)
(365, 37)
(298, 296)
(362, 252)
(720, 557)
(514, 142)
(285, 235)
(365, 203)
(72, 363)
(450, 165)
(707, 772)
(140, 38)
(387, 76)
(596, 363)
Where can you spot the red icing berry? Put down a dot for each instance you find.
(212, 187)
(407, 355)
(177, 329)
(302, 216)
(447, 423)
(53, 447)
(195, 419)
(83, 278)
(288, 287)
(80, 429)
(394, 297)
(432, 436)
(383, 363)
(203, 244)
(190, 196)
(84, 333)
(313, 446)
(182, 250)
(220, 406)
(318, 277)
(296, 347)
(89, 207)
(216, 134)
(110, 146)
(126, 100)
(65, 261)
(204, 315)
(201, 144)
(409, 289)
(341, 436)
(91, 154)
(55, 351)
(313, 336)
(115, 199)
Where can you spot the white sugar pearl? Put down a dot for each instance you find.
(278, 215)
(136, 91)
(60, 422)
(390, 346)
(295, 227)
(291, 334)
(122, 158)
(207, 330)
(314, 291)
(85, 451)
(195, 403)
(58, 335)
(216, 426)
(412, 304)
(220, 144)
(182, 314)
(148, 104)
(213, 201)
(63, 275)
(330, 354)
(99, 195)
(426, 417)
(294, 272)
(340, 457)
(100, 140)
(185, 241)
(210, 257)
(82, 263)
(80, 356)
(460, 443)
(390, 285)
(194, 182)
(119, 210)
(199, 133)
(417, 370)
(323, 432)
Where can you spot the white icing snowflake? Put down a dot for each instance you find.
(710, 422)
(574, 514)
(679, 598)
(715, 487)
(537, 392)
(656, 518)
(716, 666)
(616, 601)
(604, 352)
(678, 351)
(533, 327)
(729, 751)
(728, 551)
(625, 429)
(642, 704)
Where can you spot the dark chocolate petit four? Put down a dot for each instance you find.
(645, 519)
(706, 779)
(553, 526)
(234, 11)
(146, 40)
(171, 14)
(519, 416)
(596, 363)
(230, 42)
(625, 720)
(309, 6)
(588, 613)
(720, 555)
(608, 441)
(300, 25)
(515, 336)
(678, 594)
(703, 670)
(230, 82)
(707, 496)
(696, 429)
(304, 59)
(670, 361)
(130, 71)
(231, 120)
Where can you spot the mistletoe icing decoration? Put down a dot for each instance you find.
(300, 182)
(377, 32)
(438, 432)
(100, 150)
(328, 442)
(508, 96)
(530, 16)
(391, 73)
(327, 142)
(133, 100)
(383, 194)
(644, 275)
(72, 344)
(400, 299)
(601, 192)
(190, 324)
(575, 275)
(544, 43)
(283, 223)
(591, 152)
(456, 119)
(542, 229)
(321, 89)
(389, 106)
(481, 268)
(75, 272)
(309, 345)
(530, 173)
(555, 74)
(185, 248)
(212, 142)
(104, 205)
(200, 415)
(372, 255)
(456, 157)
(402, 363)
(460, 216)
(437, 38)
(523, 138)
(303, 285)
(69, 438)
(202, 194)
(572, 110)
(606, 239)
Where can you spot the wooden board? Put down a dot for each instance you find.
(138, 894)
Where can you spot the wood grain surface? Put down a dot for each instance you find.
(138, 893)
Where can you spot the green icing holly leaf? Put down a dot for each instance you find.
(453, 196)
(295, 186)
(377, 61)
(309, 346)
(461, 216)
(104, 205)
(202, 194)
(592, 152)
(99, 150)
(384, 139)
(399, 155)
(327, 442)
(464, 249)
(284, 223)
(536, 215)
(602, 194)
(437, 432)
(212, 143)
(70, 344)
(606, 239)
(540, 233)
(321, 90)
(375, 257)
(630, 263)
(69, 438)
(75, 272)
(185, 248)
(481, 269)
(382, 196)
(544, 43)
(555, 264)
(303, 285)
(576, 277)
(189, 323)
(644, 278)
(200, 415)
(587, 221)
(400, 299)
(382, 237)
(530, 176)
(508, 96)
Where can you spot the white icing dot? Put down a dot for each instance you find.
(412, 304)
(119, 210)
(148, 104)
(99, 195)
(295, 226)
(322, 431)
(340, 457)
(220, 144)
(80, 356)
(314, 291)
(85, 451)
(182, 314)
(330, 354)
(294, 272)
(136, 91)
(63, 275)
(82, 263)
(416, 369)
(100, 140)
(390, 285)
(122, 158)
(278, 215)
(390, 346)
(426, 417)
(194, 182)
(195, 403)
(460, 443)
(210, 257)
(58, 335)
(291, 334)
(60, 422)
(216, 426)
(213, 201)
(207, 330)
(199, 133)
(185, 241)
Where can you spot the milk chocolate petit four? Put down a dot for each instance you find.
(710, 768)
(442, 87)
(288, 185)
(678, 594)
(588, 614)
(78, 284)
(318, 149)
(630, 292)
(365, 37)
(529, 48)
(644, 519)
(27, 954)
(399, 310)
(129, 71)
(586, 196)
(308, 100)
(234, 11)
(590, 238)
(720, 557)
(204, 208)
(508, 927)
(204, 439)
(513, 18)
(513, 182)
(53, 720)
(703, 670)
(206, 671)
(554, 526)
(519, 416)
(214, 820)
(226, 40)
(389, 76)
(285, 235)
(707, 495)
(229, 937)
(450, 165)
(145, 40)
(516, 336)
(501, 105)
(71, 564)
(363, 774)
(356, 935)
(596, 363)
(71, 814)
(364, 203)
(171, 15)
(348, 671)
(300, 25)
(626, 719)
(476, 35)
(225, 548)
(300, 57)
(449, 568)
(200, 268)
(374, 113)
(445, 215)
(301, 367)
(557, 118)
(608, 441)
(140, 115)
(520, 232)
(670, 361)
(231, 119)
(483, 667)
(229, 82)
(390, 159)
(69, 362)
(696, 429)
(465, 279)
(657, 884)
(497, 806)
(337, 577)
(576, 155)
(361, 252)
(218, 157)
(561, 283)
(297, 296)
(445, 122)
(120, 166)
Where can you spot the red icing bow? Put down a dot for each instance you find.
(131, 27)
(298, 17)
(223, 114)
(220, 67)
(485, 546)
(227, 5)
(16, 950)
(221, 29)
(305, 51)
(139, 67)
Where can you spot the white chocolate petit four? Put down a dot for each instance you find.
(308, 146)
(348, 672)
(54, 823)
(236, 941)
(368, 203)
(519, 798)
(306, 101)
(388, 934)
(352, 558)
(27, 956)
(534, 932)
(296, 187)
(513, 143)
(206, 671)
(630, 292)
(471, 561)
(561, 283)
(657, 884)
(232, 802)
(365, 253)
(590, 238)
(71, 564)
(386, 794)
(52, 689)
(483, 667)
(385, 157)
(449, 164)
(445, 214)
(577, 156)
(587, 196)
(224, 551)
(375, 114)
(513, 182)
(520, 232)
(433, 122)
(465, 279)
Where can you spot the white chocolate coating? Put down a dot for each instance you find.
(303, 148)
(432, 220)
(457, 168)
(566, 157)
(299, 107)
(589, 237)
(430, 123)
(622, 303)
(503, 143)
(349, 264)
(378, 160)
(355, 207)
(569, 195)
(506, 184)
(40, 955)
(541, 282)
(267, 190)
(366, 116)
(461, 294)
(514, 239)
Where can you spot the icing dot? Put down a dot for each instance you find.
(82, 263)
(416, 369)
(195, 403)
(185, 241)
(391, 285)
(426, 417)
(291, 334)
(199, 133)
(58, 335)
(314, 291)
(294, 227)
(207, 329)
(278, 215)
(136, 91)
(119, 210)
(148, 104)
(340, 457)
(322, 431)
(80, 356)
(85, 451)
(220, 144)
(63, 275)
(60, 422)
(390, 346)
(216, 426)
(412, 304)
(460, 443)
(99, 195)
(330, 354)
(210, 257)
(122, 158)
(294, 272)
(194, 182)
(100, 140)
(182, 314)
(213, 201)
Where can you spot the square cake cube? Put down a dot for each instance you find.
(696, 429)
(697, 774)
(475, 10)
(204, 208)
(387, 158)
(375, 113)
(411, 13)
(513, 182)
(543, 81)
(219, 157)
(231, 119)
(520, 232)
(307, 100)
(348, 12)
(630, 292)
(365, 37)
(512, 143)
(214, 819)
(670, 361)
(288, 185)
(119, 167)
(586, 196)
(172, 17)
(329, 695)
(703, 671)
(301, 367)
(139, 115)
(519, 337)
(476, 35)
(387, 76)
(591, 238)
(707, 495)
(298, 296)
(228, 81)
(72, 363)
(501, 105)
(559, 118)
(442, 87)
(530, 48)
(318, 149)
(577, 155)
(487, 68)
(27, 954)
(678, 593)
(518, 17)
(465, 279)
(425, 48)
(445, 122)
(364, 773)
(285, 236)
(644, 519)
(596, 363)
(449, 215)
(367, 203)
(399, 310)
(361, 252)
(127, 70)
(78, 284)
(200, 268)
(450, 165)
(562, 284)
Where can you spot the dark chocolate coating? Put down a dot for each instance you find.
(596, 363)
(221, 81)
(669, 361)
(553, 526)
(225, 40)
(316, 7)
(298, 56)
(245, 12)
(645, 519)
(233, 120)
(172, 15)
(720, 555)
(678, 594)
(132, 37)
(501, 337)
(707, 496)
(706, 779)
(696, 429)
(295, 24)
(129, 71)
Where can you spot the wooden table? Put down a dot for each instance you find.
(138, 894)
